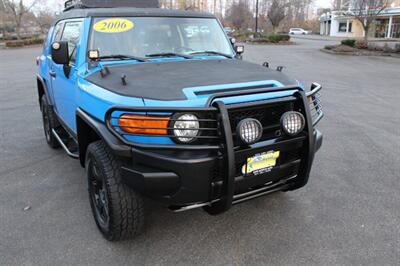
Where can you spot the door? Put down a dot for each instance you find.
(65, 86)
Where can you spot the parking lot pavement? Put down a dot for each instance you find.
(348, 214)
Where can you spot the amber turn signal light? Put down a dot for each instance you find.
(144, 124)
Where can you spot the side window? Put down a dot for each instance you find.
(58, 31)
(71, 34)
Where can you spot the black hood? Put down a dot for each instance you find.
(166, 80)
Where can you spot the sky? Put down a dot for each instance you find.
(323, 3)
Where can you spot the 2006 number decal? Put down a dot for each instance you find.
(114, 25)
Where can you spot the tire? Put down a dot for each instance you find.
(117, 210)
(49, 123)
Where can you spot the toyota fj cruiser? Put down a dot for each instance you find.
(158, 103)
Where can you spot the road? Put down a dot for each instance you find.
(348, 214)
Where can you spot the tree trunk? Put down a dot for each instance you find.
(366, 37)
(18, 29)
(18, 32)
(18, 25)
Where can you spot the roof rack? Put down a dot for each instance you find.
(72, 4)
(80, 4)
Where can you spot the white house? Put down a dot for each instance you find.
(341, 24)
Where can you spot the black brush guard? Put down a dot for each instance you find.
(313, 113)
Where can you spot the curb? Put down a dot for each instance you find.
(271, 43)
(359, 53)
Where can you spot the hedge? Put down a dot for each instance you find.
(21, 43)
(349, 42)
(274, 38)
(13, 44)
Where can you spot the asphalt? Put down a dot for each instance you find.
(348, 214)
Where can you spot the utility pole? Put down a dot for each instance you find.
(256, 31)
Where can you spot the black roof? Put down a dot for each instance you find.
(129, 12)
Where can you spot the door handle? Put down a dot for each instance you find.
(52, 74)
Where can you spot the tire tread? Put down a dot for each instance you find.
(125, 205)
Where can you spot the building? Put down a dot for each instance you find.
(340, 24)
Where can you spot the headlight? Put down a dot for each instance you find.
(293, 123)
(186, 128)
(250, 130)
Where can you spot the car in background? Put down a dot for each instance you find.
(298, 31)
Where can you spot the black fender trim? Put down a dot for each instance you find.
(117, 147)
(46, 90)
(319, 138)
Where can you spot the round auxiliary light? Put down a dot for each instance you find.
(292, 123)
(250, 130)
(56, 46)
(186, 128)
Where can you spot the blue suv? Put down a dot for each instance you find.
(158, 103)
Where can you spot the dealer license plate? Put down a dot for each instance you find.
(261, 163)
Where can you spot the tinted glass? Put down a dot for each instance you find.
(58, 31)
(145, 36)
(71, 34)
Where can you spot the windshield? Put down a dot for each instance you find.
(150, 37)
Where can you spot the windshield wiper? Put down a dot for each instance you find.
(210, 52)
(169, 55)
(123, 57)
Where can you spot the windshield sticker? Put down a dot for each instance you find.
(114, 25)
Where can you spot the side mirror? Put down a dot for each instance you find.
(60, 53)
(233, 40)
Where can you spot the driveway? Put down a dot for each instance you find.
(349, 214)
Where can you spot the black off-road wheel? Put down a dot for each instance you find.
(49, 123)
(117, 209)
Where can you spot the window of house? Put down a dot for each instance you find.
(343, 27)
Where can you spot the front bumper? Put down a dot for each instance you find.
(191, 177)
(183, 179)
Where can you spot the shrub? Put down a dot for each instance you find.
(361, 45)
(33, 41)
(349, 42)
(329, 47)
(397, 48)
(387, 49)
(261, 40)
(13, 44)
(21, 43)
(276, 38)
(271, 38)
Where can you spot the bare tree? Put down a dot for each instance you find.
(366, 12)
(44, 19)
(17, 9)
(238, 14)
(277, 13)
(3, 18)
